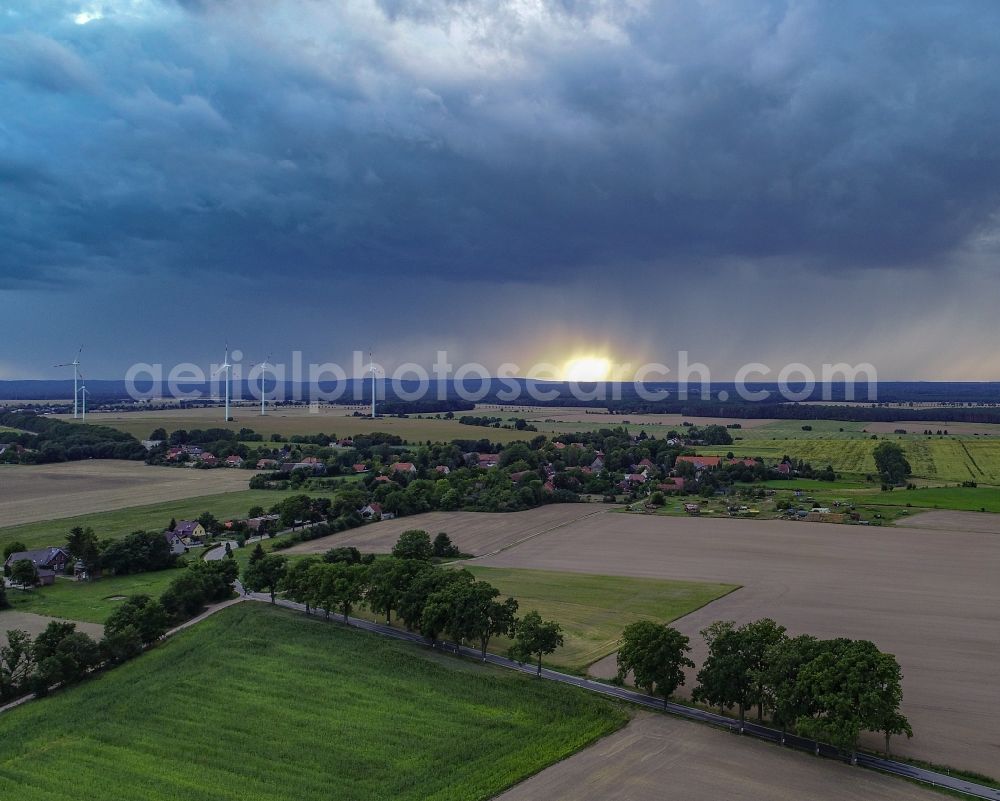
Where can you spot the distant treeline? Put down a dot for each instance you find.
(52, 440)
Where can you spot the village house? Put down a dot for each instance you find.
(404, 467)
(175, 542)
(700, 462)
(443, 469)
(597, 465)
(374, 511)
(255, 523)
(47, 561)
(234, 460)
(488, 460)
(360, 468)
(190, 532)
(267, 464)
(207, 458)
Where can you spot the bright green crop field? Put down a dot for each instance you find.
(593, 609)
(944, 459)
(258, 703)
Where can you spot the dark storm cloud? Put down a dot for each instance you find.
(458, 140)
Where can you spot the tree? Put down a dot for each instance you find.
(890, 460)
(424, 584)
(348, 586)
(414, 544)
(488, 617)
(655, 655)
(16, 546)
(295, 582)
(883, 715)
(172, 525)
(24, 573)
(158, 434)
(759, 639)
(256, 511)
(257, 553)
(468, 610)
(4, 603)
(17, 663)
(143, 614)
(138, 552)
(535, 637)
(84, 547)
(210, 522)
(443, 547)
(265, 574)
(348, 555)
(388, 581)
(855, 688)
(121, 645)
(791, 700)
(62, 655)
(724, 679)
(229, 551)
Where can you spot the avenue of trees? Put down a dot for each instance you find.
(825, 690)
(432, 600)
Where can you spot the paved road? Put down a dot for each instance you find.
(903, 769)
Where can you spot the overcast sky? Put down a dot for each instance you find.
(520, 181)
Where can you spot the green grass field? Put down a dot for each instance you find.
(326, 713)
(153, 517)
(971, 499)
(91, 601)
(594, 609)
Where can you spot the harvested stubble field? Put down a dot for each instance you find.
(331, 713)
(332, 420)
(697, 763)
(929, 597)
(50, 491)
(476, 533)
(35, 624)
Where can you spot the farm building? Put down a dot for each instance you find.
(51, 559)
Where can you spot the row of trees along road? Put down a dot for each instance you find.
(434, 601)
(825, 690)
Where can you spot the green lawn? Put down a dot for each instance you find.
(153, 517)
(260, 703)
(91, 601)
(594, 609)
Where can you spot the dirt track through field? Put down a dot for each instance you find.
(931, 598)
(29, 493)
(657, 757)
(476, 533)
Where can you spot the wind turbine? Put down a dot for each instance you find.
(225, 367)
(83, 398)
(75, 364)
(372, 361)
(263, 366)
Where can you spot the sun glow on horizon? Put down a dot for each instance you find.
(586, 369)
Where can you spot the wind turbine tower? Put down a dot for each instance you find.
(370, 359)
(225, 367)
(83, 399)
(75, 364)
(263, 366)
